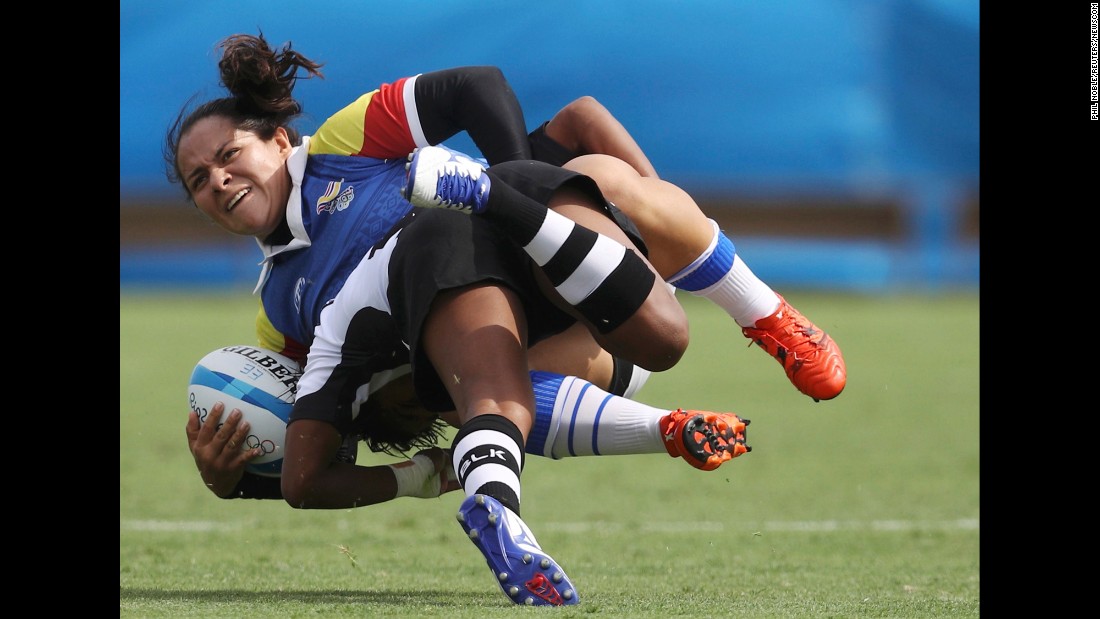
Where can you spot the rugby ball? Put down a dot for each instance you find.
(259, 382)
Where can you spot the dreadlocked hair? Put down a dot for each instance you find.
(395, 436)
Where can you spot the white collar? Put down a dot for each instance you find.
(296, 165)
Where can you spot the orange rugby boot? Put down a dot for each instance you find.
(704, 440)
(811, 358)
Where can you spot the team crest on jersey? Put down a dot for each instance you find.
(336, 197)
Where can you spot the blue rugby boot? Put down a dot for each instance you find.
(438, 177)
(526, 574)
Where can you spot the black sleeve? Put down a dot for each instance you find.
(477, 100)
(257, 487)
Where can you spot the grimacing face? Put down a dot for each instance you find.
(238, 180)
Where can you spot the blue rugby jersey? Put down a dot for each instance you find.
(345, 197)
(348, 204)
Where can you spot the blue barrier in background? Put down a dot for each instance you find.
(848, 96)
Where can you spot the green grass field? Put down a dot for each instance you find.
(864, 506)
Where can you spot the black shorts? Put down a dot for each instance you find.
(546, 149)
(441, 250)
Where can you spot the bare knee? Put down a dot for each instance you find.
(572, 122)
(667, 348)
(655, 338)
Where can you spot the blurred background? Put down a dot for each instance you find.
(836, 141)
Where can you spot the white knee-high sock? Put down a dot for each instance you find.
(573, 417)
(720, 275)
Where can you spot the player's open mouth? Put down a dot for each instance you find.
(235, 199)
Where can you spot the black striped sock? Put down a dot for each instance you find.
(606, 281)
(487, 453)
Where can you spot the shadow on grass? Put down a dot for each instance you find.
(442, 599)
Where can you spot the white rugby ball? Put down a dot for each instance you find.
(259, 382)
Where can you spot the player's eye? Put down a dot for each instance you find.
(197, 182)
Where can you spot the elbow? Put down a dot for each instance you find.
(295, 492)
(488, 75)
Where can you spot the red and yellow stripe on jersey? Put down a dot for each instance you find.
(376, 124)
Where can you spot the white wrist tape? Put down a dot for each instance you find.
(416, 477)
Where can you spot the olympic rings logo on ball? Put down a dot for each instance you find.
(252, 441)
